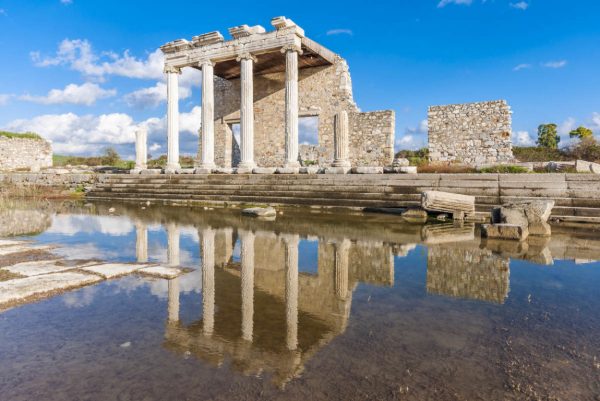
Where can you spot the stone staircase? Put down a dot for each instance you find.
(577, 196)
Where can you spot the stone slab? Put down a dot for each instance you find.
(161, 272)
(400, 170)
(287, 170)
(151, 171)
(337, 170)
(203, 170)
(504, 231)
(309, 170)
(582, 166)
(39, 267)
(223, 170)
(112, 270)
(263, 170)
(8, 250)
(260, 212)
(22, 289)
(7, 242)
(185, 171)
(243, 170)
(367, 170)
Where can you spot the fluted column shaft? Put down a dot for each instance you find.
(141, 242)
(173, 300)
(291, 290)
(341, 268)
(247, 112)
(141, 148)
(341, 140)
(173, 244)
(247, 256)
(208, 280)
(207, 160)
(291, 107)
(172, 119)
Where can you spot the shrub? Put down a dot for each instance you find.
(538, 154)
(587, 148)
(445, 168)
(418, 157)
(504, 170)
(25, 135)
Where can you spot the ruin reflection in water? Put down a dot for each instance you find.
(270, 296)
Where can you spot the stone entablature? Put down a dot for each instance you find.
(471, 133)
(24, 154)
(265, 81)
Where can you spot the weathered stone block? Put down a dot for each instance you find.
(263, 170)
(367, 170)
(504, 231)
(260, 212)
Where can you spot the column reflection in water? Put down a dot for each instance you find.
(141, 242)
(291, 289)
(174, 300)
(341, 268)
(207, 236)
(173, 244)
(247, 256)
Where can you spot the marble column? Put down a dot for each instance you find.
(247, 112)
(208, 280)
(173, 244)
(172, 119)
(141, 242)
(341, 140)
(207, 135)
(141, 149)
(291, 106)
(173, 300)
(341, 250)
(247, 256)
(291, 290)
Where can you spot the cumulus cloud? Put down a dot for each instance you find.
(88, 134)
(520, 5)
(555, 64)
(340, 31)
(71, 224)
(308, 130)
(595, 123)
(522, 138)
(86, 94)
(79, 55)
(414, 137)
(522, 67)
(153, 96)
(444, 3)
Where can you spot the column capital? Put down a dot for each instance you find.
(291, 48)
(204, 62)
(245, 56)
(169, 69)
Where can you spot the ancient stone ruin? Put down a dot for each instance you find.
(472, 133)
(264, 82)
(24, 153)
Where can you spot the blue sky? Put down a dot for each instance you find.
(84, 73)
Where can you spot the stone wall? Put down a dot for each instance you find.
(14, 222)
(472, 133)
(24, 153)
(323, 92)
(49, 179)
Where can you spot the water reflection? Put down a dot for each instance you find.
(266, 297)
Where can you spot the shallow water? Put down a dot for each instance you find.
(314, 306)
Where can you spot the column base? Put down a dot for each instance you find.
(341, 163)
(203, 170)
(172, 168)
(294, 164)
(337, 170)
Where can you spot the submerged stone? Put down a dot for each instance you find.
(161, 272)
(504, 231)
(112, 270)
(260, 212)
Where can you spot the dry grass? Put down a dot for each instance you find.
(446, 168)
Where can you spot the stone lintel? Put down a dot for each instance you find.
(207, 39)
(242, 31)
(176, 46)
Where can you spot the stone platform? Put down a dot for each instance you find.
(577, 196)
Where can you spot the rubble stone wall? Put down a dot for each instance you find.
(471, 133)
(323, 92)
(24, 153)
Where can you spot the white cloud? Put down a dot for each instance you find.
(522, 67)
(308, 128)
(154, 147)
(4, 99)
(444, 3)
(414, 137)
(520, 5)
(595, 123)
(567, 126)
(555, 64)
(153, 95)
(522, 138)
(89, 134)
(71, 224)
(78, 55)
(86, 94)
(340, 31)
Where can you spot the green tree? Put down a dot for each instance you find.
(548, 136)
(581, 133)
(110, 157)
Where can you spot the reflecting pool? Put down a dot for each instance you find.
(311, 305)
